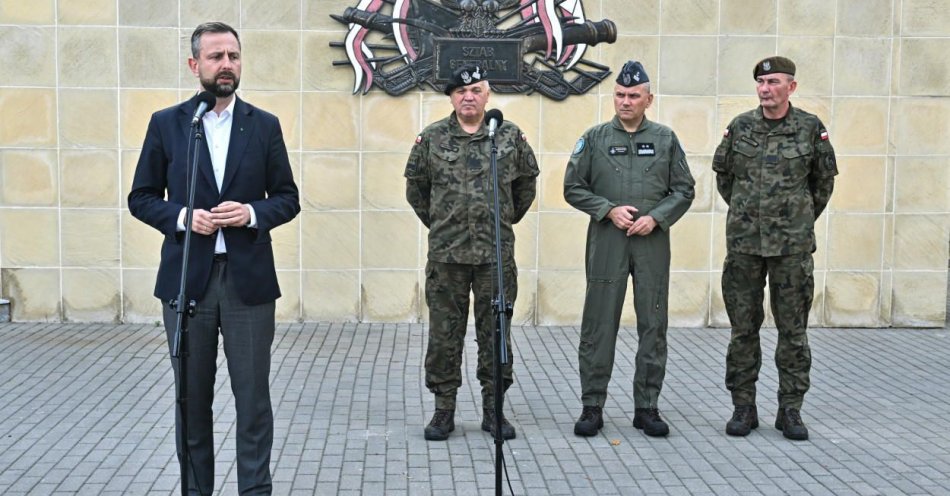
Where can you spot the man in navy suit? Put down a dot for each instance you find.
(245, 188)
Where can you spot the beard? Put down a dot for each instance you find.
(221, 90)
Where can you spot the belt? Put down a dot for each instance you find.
(220, 257)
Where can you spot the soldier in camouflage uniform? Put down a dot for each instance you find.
(775, 169)
(449, 185)
(630, 175)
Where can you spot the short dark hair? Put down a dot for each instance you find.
(210, 27)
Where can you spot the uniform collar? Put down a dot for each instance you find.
(644, 124)
(784, 128)
(455, 129)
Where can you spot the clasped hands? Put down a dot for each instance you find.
(227, 214)
(623, 218)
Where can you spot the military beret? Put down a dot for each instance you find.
(464, 76)
(632, 74)
(771, 65)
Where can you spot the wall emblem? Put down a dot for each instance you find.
(525, 46)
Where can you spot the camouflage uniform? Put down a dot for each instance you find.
(449, 185)
(646, 169)
(777, 179)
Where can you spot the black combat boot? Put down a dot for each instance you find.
(442, 423)
(591, 421)
(488, 424)
(650, 421)
(744, 419)
(789, 421)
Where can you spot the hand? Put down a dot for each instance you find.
(643, 226)
(622, 216)
(231, 213)
(202, 222)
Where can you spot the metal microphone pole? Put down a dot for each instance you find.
(185, 309)
(502, 310)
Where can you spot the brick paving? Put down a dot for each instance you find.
(87, 409)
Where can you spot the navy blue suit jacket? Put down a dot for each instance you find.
(257, 172)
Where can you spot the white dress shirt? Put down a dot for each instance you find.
(217, 132)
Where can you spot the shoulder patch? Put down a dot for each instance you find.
(725, 134)
(579, 146)
(418, 139)
(523, 137)
(823, 134)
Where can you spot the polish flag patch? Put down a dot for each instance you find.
(418, 139)
(823, 135)
(725, 134)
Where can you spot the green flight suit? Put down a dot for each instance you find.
(646, 169)
(449, 186)
(777, 178)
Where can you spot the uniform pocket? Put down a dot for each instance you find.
(444, 167)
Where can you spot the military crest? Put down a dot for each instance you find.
(526, 45)
(766, 66)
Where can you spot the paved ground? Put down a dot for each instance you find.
(87, 409)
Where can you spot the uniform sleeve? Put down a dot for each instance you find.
(577, 182)
(418, 185)
(524, 187)
(722, 165)
(681, 193)
(821, 179)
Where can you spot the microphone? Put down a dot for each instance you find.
(206, 101)
(494, 119)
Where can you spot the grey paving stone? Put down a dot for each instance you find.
(88, 409)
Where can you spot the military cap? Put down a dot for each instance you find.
(464, 76)
(771, 65)
(632, 74)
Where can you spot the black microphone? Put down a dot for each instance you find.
(493, 118)
(206, 101)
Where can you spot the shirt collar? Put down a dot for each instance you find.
(227, 112)
(644, 124)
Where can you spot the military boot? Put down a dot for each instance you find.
(442, 423)
(591, 421)
(488, 424)
(744, 419)
(650, 421)
(789, 421)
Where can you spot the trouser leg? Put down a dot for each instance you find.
(651, 283)
(447, 295)
(485, 289)
(791, 288)
(201, 362)
(743, 291)
(607, 273)
(248, 332)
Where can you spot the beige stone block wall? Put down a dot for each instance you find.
(79, 79)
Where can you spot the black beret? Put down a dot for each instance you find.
(771, 65)
(464, 76)
(632, 74)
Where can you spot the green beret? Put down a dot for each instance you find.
(464, 76)
(771, 65)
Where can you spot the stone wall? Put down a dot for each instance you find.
(79, 79)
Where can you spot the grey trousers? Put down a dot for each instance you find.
(248, 332)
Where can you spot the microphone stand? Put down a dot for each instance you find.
(185, 309)
(502, 310)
